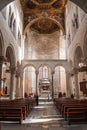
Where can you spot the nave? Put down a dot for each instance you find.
(45, 116)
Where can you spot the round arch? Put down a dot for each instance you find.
(58, 65)
(10, 55)
(29, 77)
(45, 64)
(56, 22)
(60, 80)
(29, 65)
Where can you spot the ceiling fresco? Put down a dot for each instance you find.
(44, 16)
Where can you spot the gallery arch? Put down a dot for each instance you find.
(59, 76)
(8, 72)
(29, 80)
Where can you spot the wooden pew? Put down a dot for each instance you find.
(77, 115)
(64, 113)
(25, 105)
(73, 110)
(11, 114)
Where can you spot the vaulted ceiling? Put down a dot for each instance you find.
(44, 16)
(81, 3)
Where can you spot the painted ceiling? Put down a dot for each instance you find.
(44, 16)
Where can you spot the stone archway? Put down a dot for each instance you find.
(60, 80)
(29, 80)
(10, 54)
(11, 61)
(81, 3)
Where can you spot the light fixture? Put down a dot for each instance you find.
(83, 64)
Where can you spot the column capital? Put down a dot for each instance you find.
(17, 75)
(53, 72)
(37, 72)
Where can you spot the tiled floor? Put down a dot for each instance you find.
(43, 117)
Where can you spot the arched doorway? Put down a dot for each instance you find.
(29, 81)
(59, 81)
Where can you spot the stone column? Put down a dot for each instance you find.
(21, 85)
(37, 82)
(52, 84)
(17, 86)
(71, 87)
(77, 86)
(12, 96)
(1, 63)
(68, 85)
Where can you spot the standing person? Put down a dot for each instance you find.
(72, 96)
(37, 100)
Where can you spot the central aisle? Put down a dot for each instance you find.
(44, 113)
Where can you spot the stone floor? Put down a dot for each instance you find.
(43, 117)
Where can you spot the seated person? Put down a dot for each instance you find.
(72, 96)
(60, 95)
(25, 95)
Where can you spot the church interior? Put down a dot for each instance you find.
(43, 64)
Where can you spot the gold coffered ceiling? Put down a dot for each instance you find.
(44, 16)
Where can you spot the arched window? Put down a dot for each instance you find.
(76, 20)
(69, 39)
(9, 16)
(19, 38)
(45, 72)
(11, 20)
(14, 27)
